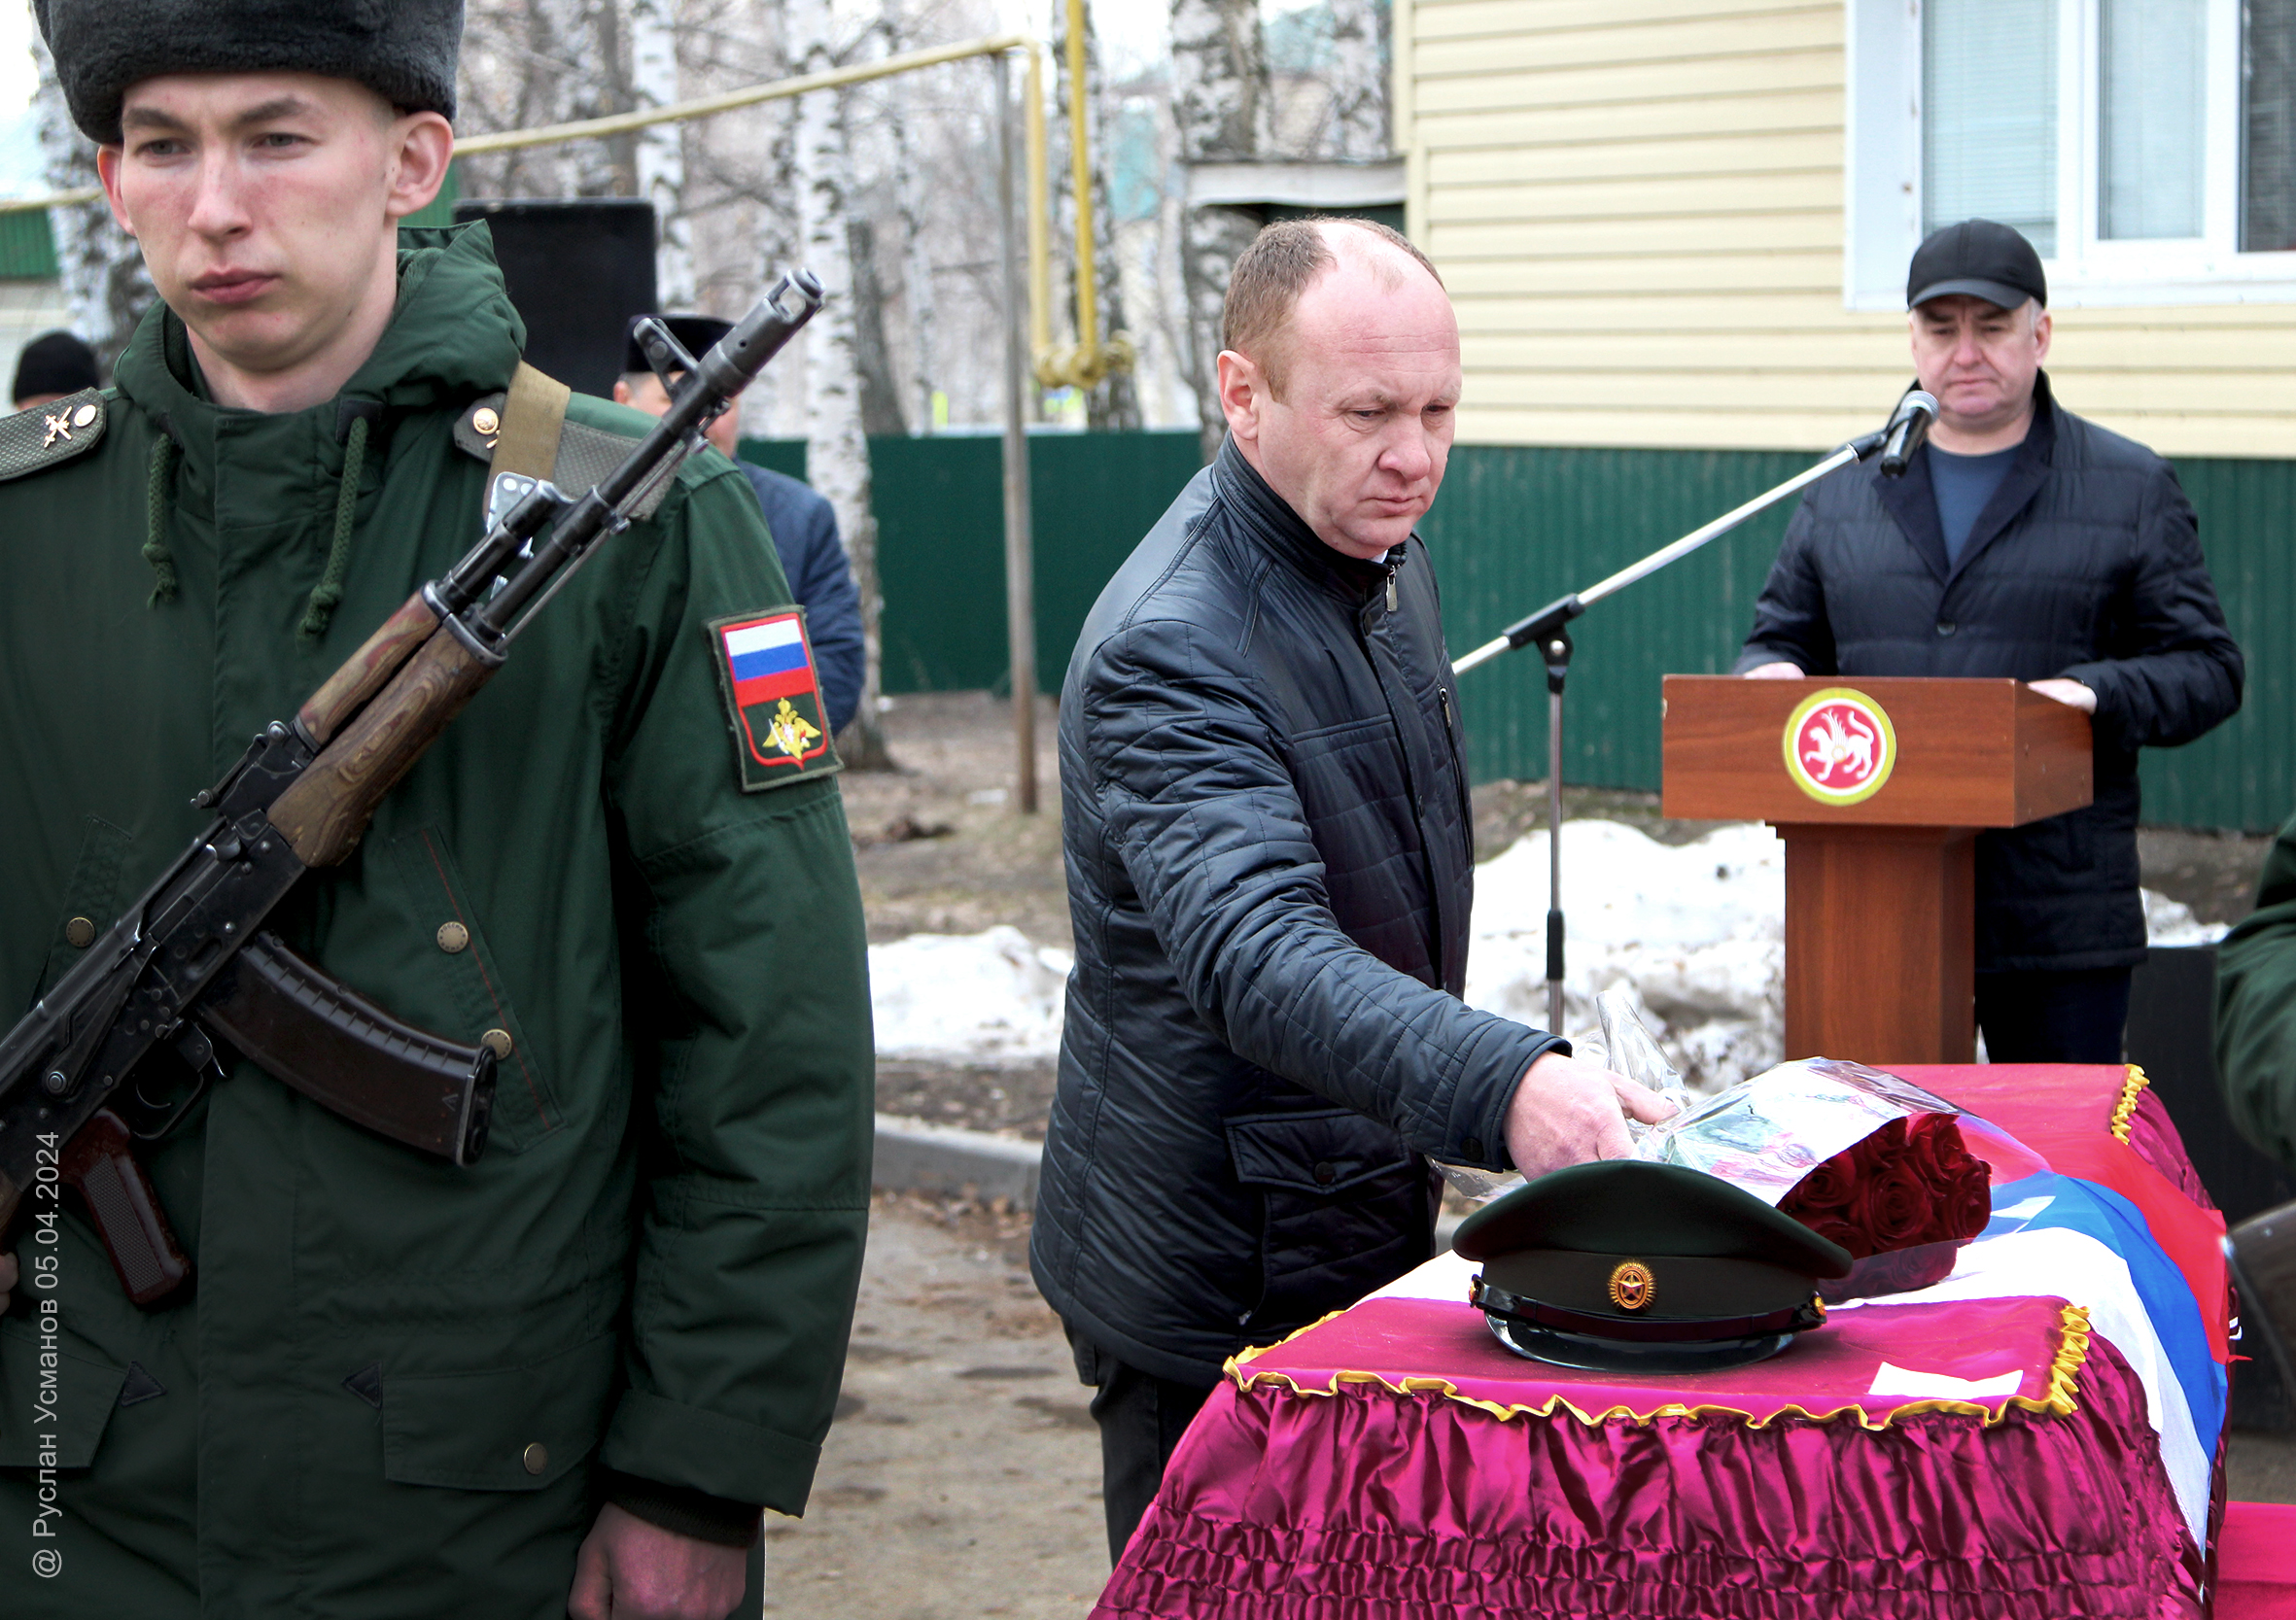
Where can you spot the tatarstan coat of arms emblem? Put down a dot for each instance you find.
(1840, 746)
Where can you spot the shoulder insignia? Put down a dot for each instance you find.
(51, 434)
(586, 455)
(773, 699)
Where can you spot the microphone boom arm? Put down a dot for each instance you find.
(1547, 628)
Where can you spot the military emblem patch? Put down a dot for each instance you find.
(774, 699)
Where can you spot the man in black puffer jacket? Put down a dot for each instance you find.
(1269, 866)
(2020, 542)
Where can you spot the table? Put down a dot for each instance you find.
(2051, 1447)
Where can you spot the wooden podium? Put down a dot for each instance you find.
(1879, 787)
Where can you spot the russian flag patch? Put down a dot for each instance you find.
(773, 699)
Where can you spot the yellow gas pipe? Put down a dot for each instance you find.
(1091, 361)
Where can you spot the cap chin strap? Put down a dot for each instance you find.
(1795, 1319)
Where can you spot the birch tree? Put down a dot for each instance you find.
(661, 147)
(1219, 109)
(528, 62)
(1357, 127)
(911, 180)
(100, 265)
(836, 448)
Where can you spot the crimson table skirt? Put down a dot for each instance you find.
(1382, 1501)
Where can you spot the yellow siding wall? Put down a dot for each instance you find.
(1638, 205)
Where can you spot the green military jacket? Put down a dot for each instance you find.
(2256, 1009)
(398, 1383)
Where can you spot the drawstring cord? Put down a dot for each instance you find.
(155, 552)
(329, 592)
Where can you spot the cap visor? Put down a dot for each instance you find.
(1997, 292)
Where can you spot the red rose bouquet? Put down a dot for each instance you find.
(1902, 1200)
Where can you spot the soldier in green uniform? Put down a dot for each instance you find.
(2256, 1009)
(570, 1376)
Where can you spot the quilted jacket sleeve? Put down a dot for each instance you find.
(1790, 621)
(2173, 669)
(1188, 762)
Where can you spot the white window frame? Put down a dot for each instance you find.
(1883, 183)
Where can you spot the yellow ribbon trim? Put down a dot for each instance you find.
(2072, 1350)
(2126, 1109)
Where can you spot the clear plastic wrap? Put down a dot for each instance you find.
(1766, 1134)
(1624, 1046)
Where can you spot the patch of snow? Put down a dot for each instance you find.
(2170, 922)
(967, 997)
(1693, 934)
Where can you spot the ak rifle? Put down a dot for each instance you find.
(188, 966)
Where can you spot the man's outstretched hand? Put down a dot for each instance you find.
(1565, 1111)
(630, 1569)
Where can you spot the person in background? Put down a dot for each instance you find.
(2256, 1009)
(52, 365)
(1271, 866)
(2020, 542)
(804, 525)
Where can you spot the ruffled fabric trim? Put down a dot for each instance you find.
(2061, 1400)
(1287, 1509)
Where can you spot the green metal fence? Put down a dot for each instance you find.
(940, 541)
(1516, 527)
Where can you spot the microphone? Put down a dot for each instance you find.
(1906, 430)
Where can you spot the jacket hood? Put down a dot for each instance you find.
(453, 335)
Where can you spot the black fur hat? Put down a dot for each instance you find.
(403, 49)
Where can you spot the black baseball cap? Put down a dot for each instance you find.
(1624, 1265)
(1980, 258)
(697, 333)
(55, 363)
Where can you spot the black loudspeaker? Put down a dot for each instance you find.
(2171, 1038)
(577, 270)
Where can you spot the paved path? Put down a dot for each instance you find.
(963, 1477)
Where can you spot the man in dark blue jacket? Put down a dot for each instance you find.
(2020, 542)
(1270, 862)
(804, 526)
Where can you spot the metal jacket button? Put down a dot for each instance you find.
(1325, 1174)
(453, 936)
(536, 1457)
(498, 1042)
(1946, 627)
(80, 933)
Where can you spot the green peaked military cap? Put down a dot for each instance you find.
(404, 51)
(1629, 1266)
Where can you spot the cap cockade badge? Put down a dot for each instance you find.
(1632, 1286)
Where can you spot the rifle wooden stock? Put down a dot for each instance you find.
(326, 812)
(364, 673)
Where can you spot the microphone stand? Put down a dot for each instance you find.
(1894, 442)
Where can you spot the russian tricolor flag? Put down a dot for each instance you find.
(769, 660)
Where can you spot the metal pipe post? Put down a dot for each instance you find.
(1554, 1013)
(1019, 585)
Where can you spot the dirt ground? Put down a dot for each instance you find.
(962, 1475)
